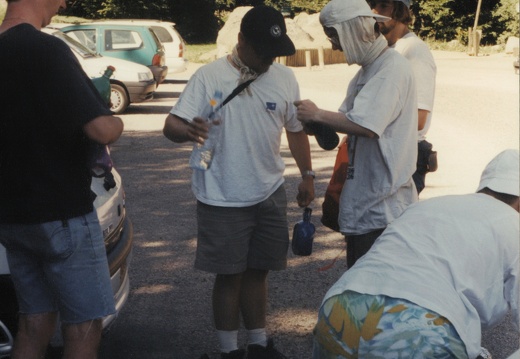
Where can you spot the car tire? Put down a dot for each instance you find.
(118, 98)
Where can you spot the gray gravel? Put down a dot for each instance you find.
(168, 314)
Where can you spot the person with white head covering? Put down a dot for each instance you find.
(457, 271)
(379, 114)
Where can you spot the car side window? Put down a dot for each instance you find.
(85, 37)
(122, 40)
(163, 34)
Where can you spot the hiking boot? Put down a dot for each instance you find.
(255, 351)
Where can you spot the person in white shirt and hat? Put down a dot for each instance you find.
(404, 41)
(457, 272)
(379, 114)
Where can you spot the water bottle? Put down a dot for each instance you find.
(303, 235)
(100, 162)
(103, 84)
(202, 154)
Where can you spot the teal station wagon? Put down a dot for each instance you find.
(136, 43)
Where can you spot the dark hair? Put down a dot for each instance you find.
(504, 197)
(400, 13)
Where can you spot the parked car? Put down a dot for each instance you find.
(118, 234)
(136, 43)
(130, 83)
(174, 45)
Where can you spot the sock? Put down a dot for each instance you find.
(228, 340)
(257, 336)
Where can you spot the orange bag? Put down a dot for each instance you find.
(330, 206)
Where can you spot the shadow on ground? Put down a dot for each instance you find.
(168, 314)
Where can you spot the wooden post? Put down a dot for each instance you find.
(476, 36)
(308, 63)
(321, 57)
(470, 41)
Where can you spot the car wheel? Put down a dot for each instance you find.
(118, 98)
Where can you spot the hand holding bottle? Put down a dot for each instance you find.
(209, 127)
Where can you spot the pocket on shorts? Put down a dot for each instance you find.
(61, 241)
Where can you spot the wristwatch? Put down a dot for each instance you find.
(309, 173)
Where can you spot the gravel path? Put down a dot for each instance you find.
(168, 314)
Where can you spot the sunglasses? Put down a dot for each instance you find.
(334, 41)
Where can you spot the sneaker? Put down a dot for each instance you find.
(255, 351)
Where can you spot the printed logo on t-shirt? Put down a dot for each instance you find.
(271, 106)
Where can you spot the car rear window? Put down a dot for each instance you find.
(122, 40)
(163, 34)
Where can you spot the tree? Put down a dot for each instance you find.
(506, 18)
(198, 21)
(433, 19)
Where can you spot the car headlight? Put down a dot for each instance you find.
(145, 76)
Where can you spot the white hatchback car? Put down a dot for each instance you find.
(130, 83)
(174, 45)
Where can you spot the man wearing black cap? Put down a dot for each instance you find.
(405, 42)
(241, 201)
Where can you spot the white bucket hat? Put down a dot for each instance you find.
(338, 11)
(502, 173)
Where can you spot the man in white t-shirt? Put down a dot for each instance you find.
(241, 207)
(379, 115)
(446, 267)
(423, 65)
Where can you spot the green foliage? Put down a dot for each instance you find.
(308, 6)
(119, 9)
(199, 53)
(446, 20)
(432, 19)
(197, 24)
(506, 14)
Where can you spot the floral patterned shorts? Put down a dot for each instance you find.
(354, 325)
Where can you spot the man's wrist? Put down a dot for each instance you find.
(309, 173)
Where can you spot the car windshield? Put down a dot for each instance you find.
(76, 46)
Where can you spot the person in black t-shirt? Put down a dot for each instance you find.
(51, 114)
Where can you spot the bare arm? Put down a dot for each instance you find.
(301, 152)
(423, 116)
(309, 112)
(104, 129)
(178, 130)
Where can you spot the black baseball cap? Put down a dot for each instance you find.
(265, 28)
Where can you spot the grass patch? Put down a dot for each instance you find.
(200, 53)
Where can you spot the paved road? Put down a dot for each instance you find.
(167, 316)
